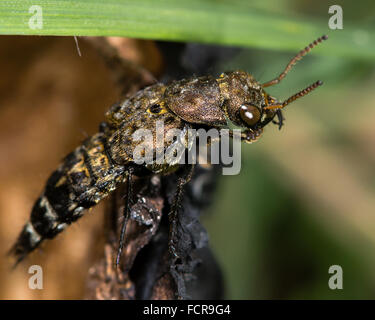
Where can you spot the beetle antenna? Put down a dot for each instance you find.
(296, 96)
(294, 61)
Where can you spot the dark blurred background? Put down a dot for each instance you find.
(304, 199)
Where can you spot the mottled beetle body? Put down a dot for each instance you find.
(105, 160)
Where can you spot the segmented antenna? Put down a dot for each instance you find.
(294, 61)
(296, 96)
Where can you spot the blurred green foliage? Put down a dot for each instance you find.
(278, 226)
(268, 24)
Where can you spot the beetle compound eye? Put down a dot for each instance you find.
(249, 114)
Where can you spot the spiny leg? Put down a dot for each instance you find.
(172, 216)
(126, 215)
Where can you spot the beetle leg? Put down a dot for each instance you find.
(103, 127)
(172, 216)
(280, 119)
(248, 136)
(126, 213)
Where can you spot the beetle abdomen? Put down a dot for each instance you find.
(86, 176)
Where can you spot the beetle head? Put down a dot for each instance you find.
(248, 105)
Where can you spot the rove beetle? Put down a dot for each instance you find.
(104, 161)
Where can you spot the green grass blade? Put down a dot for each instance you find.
(223, 22)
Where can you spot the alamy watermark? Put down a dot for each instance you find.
(36, 20)
(188, 146)
(335, 281)
(336, 21)
(36, 280)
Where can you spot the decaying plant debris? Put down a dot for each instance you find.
(147, 270)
